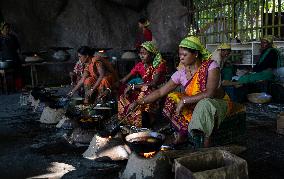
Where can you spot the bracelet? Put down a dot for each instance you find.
(109, 90)
(142, 103)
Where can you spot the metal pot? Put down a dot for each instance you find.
(129, 55)
(144, 142)
(6, 64)
(61, 55)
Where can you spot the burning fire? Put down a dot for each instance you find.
(102, 51)
(149, 154)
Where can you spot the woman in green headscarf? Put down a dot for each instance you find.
(268, 61)
(203, 98)
(152, 70)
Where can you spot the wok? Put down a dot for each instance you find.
(144, 142)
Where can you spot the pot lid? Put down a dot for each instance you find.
(129, 50)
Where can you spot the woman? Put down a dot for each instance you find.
(152, 70)
(145, 33)
(9, 50)
(85, 56)
(224, 59)
(99, 76)
(268, 61)
(203, 98)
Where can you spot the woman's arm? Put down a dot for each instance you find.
(79, 84)
(102, 73)
(153, 83)
(213, 80)
(126, 78)
(159, 93)
(164, 90)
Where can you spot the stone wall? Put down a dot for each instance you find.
(97, 23)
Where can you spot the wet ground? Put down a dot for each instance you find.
(29, 149)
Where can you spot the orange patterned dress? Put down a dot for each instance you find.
(92, 69)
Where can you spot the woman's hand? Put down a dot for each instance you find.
(180, 105)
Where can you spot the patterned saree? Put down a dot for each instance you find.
(135, 118)
(107, 81)
(195, 85)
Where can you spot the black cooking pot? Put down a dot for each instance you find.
(144, 142)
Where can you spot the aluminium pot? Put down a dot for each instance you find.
(61, 55)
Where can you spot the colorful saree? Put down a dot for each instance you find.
(195, 85)
(92, 69)
(147, 74)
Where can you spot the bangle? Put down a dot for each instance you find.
(109, 90)
(143, 102)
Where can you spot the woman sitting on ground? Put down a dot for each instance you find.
(152, 70)
(99, 76)
(203, 99)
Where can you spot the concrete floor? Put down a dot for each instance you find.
(30, 149)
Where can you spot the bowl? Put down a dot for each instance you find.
(259, 98)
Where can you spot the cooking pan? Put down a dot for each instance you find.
(144, 142)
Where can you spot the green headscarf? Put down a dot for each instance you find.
(194, 43)
(268, 38)
(150, 47)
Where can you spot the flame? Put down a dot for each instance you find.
(102, 51)
(109, 137)
(149, 154)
